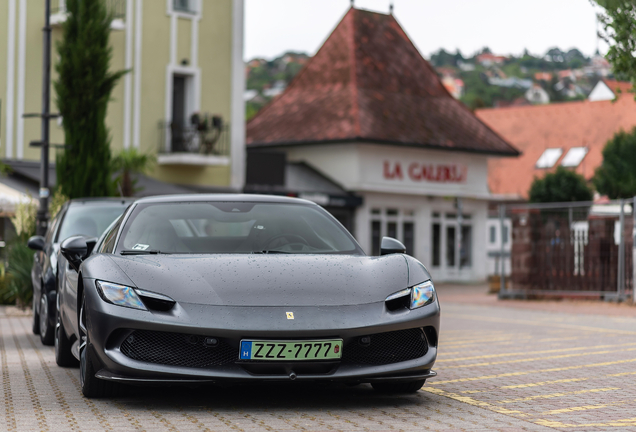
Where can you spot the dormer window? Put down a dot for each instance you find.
(549, 158)
(574, 157)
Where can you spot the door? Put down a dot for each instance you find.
(178, 113)
(451, 245)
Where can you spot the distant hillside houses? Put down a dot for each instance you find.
(483, 80)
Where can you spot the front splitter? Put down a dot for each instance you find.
(109, 376)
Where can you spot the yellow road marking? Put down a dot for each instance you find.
(558, 424)
(509, 374)
(480, 341)
(582, 408)
(540, 324)
(543, 383)
(553, 395)
(621, 374)
(470, 401)
(536, 359)
(533, 352)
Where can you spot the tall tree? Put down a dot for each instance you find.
(83, 90)
(616, 177)
(562, 185)
(619, 25)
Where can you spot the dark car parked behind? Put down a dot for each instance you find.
(89, 217)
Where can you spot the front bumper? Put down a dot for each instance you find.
(110, 325)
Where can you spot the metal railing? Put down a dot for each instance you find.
(208, 138)
(116, 7)
(570, 250)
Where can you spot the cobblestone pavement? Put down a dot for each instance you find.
(499, 369)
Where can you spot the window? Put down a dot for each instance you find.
(234, 227)
(108, 244)
(89, 219)
(465, 252)
(574, 157)
(376, 227)
(549, 158)
(408, 231)
(395, 223)
(450, 246)
(504, 235)
(187, 6)
(437, 239)
(493, 234)
(391, 229)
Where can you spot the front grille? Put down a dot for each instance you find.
(386, 348)
(176, 349)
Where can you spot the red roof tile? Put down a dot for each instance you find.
(369, 83)
(532, 129)
(619, 86)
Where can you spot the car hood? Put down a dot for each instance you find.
(268, 280)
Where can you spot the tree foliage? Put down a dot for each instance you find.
(616, 177)
(127, 163)
(83, 88)
(562, 185)
(15, 284)
(619, 25)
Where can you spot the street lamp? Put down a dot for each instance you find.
(43, 214)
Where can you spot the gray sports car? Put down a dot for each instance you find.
(239, 288)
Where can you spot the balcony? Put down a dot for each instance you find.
(116, 7)
(203, 142)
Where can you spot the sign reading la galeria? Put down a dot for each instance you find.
(423, 172)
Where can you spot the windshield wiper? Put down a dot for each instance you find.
(271, 252)
(140, 252)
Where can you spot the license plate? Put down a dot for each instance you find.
(291, 350)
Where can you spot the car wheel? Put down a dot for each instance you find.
(63, 355)
(46, 331)
(36, 317)
(395, 387)
(92, 387)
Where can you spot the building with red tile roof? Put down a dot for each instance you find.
(546, 134)
(370, 114)
(368, 82)
(607, 89)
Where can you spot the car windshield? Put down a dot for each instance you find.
(89, 219)
(233, 227)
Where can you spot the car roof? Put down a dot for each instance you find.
(224, 198)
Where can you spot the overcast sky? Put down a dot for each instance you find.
(506, 26)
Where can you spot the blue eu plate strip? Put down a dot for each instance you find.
(246, 350)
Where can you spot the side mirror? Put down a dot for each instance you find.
(36, 243)
(390, 245)
(75, 250)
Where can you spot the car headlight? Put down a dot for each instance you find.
(119, 295)
(422, 294)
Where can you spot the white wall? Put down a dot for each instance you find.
(601, 92)
(363, 167)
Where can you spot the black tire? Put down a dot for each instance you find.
(36, 318)
(91, 386)
(47, 331)
(63, 355)
(398, 387)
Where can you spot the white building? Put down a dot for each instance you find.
(370, 114)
